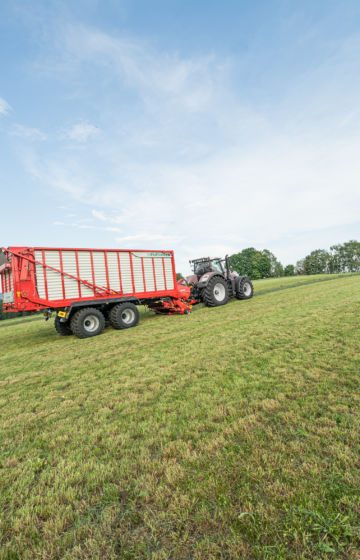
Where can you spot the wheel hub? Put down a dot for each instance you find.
(219, 292)
(247, 289)
(91, 323)
(128, 316)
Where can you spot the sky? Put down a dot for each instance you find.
(204, 127)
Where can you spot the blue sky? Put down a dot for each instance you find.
(202, 127)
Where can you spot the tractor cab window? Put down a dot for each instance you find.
(217, 266)
(202, 267)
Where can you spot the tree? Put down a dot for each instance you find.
(249, 262)
(346, 257)
(179, 276)
(243, 262)
(276, 268)
(343, 257)
(352, 255)
(317, 262)
(261, 265)
(299, 269)
(334, 260)
(289, 270)
(256, 264)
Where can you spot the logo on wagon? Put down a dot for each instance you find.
(153, 254)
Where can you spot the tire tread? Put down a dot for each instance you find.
(78, 318)
(63, 329)
(240, 288)
(115, 316)
(208, 292)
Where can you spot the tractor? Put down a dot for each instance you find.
(213, 282)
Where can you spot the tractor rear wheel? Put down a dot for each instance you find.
(216, 292)
(124, 316)
(62, 328)
(244, 288)
(87, 322)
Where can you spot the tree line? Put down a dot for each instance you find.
(257, 263)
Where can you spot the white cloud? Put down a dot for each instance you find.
(4, 107)
(57, 176)
(27, 132)
(102, 216)
(82, 132)
(146, 237)
(113, 229)
(225, 203)
(83, 226)
(194, 168)
(191, 82)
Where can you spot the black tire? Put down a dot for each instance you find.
(216, 292)
(87, 322)
(62, 328)
(105, 312)
(124, 316)
(244, 288)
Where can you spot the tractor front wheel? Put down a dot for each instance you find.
(216, 292)
(244, 288)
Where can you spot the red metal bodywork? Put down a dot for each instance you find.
(23, 283)
(180, 305)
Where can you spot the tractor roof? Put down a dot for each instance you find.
(205, 259)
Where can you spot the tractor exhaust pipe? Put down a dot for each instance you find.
(227, 264)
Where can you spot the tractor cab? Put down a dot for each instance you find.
(205, 265)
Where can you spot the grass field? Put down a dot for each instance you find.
(230, 433)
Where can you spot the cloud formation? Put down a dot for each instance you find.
(106, 218)
(147, 237)
(191, 83)
(4, 107)
(27, 132)
(82, 132)
(185, 161)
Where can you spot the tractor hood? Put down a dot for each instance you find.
(192, 279)
(201, 281)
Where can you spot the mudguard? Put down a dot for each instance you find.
(205, 278)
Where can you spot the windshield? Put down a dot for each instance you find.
(217, 266)
(202, 267)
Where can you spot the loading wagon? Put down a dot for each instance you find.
(86, 288)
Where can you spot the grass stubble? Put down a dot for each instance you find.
(230, 433)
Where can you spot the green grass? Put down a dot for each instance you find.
(226, 434)
(273, 284)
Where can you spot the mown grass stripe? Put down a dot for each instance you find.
(230, 433)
